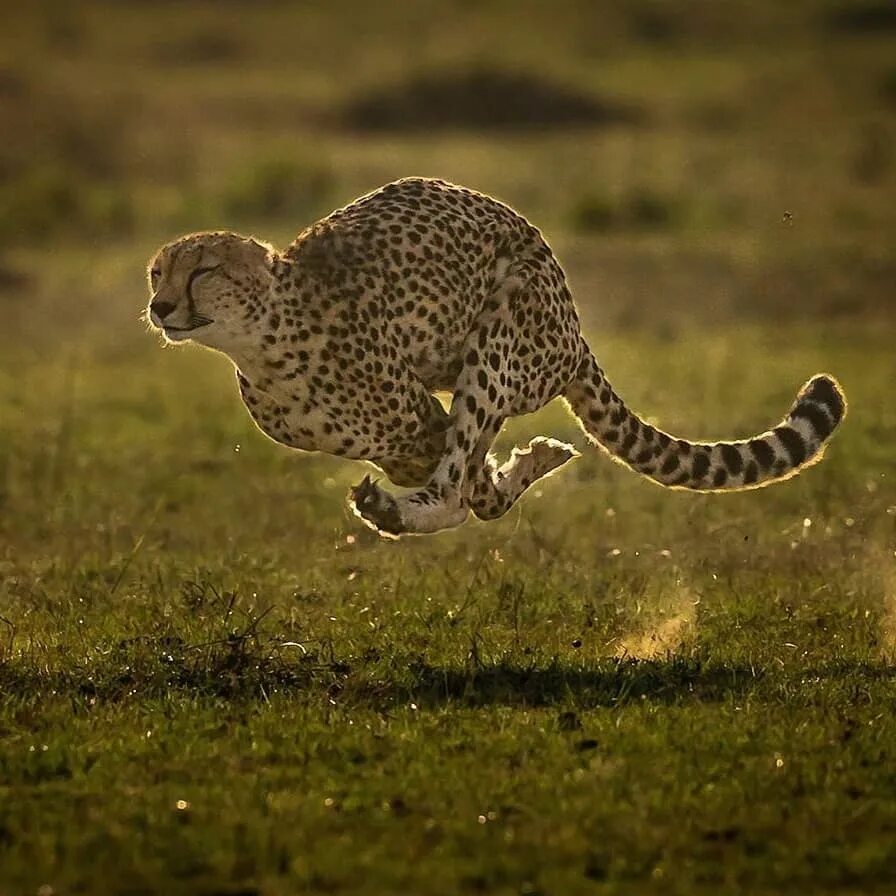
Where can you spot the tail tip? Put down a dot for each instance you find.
(824, 389)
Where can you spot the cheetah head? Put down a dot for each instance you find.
(206, 287)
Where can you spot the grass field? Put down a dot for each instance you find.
(214, 681)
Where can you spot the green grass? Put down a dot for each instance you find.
(214, 681)
(615, 687)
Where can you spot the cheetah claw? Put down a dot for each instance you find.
(376, 508)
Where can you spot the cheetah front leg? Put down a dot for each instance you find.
(477, 411)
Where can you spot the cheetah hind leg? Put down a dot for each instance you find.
(488, 490)
(492, 493)
(494, 490)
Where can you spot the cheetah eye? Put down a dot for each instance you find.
(198, 272)
(154, 274)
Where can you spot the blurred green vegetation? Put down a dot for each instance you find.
(213, 681)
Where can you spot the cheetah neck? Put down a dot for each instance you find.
(246, 340)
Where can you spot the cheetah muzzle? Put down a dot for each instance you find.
(342, 340)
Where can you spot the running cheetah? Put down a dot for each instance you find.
(341, 340)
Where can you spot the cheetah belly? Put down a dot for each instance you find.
(294, 414)
(274, 420)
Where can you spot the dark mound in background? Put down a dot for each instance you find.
(479, 98)
(863, 18)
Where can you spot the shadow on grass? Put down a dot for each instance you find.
(617, 682)
(612, 682)
(244, 678)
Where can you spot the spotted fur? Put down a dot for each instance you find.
(795, 443)
(341, 340)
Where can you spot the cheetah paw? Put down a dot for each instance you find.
(376, 508)
(548, 454)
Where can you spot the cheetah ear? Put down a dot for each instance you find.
(266, 250)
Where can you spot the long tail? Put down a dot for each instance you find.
(795, 443)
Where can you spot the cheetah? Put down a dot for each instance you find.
(341, 341)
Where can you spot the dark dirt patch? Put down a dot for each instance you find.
(13, 279)
(483, 99)
(200, 48)
(888, 87)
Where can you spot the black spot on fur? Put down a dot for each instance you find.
(701, 465)
(627, 444)
(670, 466)
(732, 459)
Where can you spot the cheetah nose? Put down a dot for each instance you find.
(161, 309)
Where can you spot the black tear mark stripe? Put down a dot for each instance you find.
(197, 272)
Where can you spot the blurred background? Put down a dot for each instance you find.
(718, 180)
(718, 160)
(654, 690)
